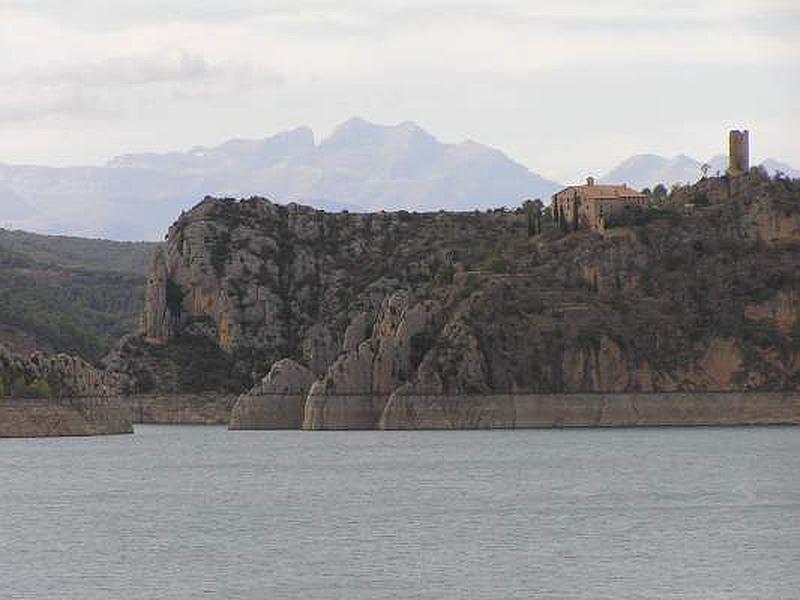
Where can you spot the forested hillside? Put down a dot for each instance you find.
(80, 253)
(69, 294)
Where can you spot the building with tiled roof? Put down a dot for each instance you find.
(589, 206)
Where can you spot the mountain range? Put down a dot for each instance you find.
(360, 167)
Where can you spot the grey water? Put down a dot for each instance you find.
(200, 512)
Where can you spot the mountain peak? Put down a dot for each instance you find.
(362, 165)
(362, 132)
(355, 126)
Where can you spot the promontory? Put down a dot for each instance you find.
(682, 310)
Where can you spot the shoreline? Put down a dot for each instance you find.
(63, 417)
(26, 417)
(524, 410)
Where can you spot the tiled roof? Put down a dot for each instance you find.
(604, 191)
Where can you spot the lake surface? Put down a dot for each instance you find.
(200, 512)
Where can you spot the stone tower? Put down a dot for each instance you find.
(739, 152)
(156, 317)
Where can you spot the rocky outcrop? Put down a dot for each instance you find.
(43, 395)
(262, 282)
(277, 402)
(53, 376)
(371, 310)
(355, 389)
(157, 319)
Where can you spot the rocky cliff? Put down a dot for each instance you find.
(277, 402)
(42, 395)
(700, 294)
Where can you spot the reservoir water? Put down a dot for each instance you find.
(200, 512)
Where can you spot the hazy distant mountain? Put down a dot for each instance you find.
(775, 166)
(12, 206)
(647, 170)
(361, 166)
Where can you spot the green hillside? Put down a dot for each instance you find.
(79, 253)
(69, 294)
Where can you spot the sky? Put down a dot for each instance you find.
(566, 87)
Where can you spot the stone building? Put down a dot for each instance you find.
(589, 206)
(738, 152)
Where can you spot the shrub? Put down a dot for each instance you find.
(39, 388)
(174, 297)
(498, 264)
(421, 343)
(444, 275)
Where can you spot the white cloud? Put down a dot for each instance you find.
(107, 88)
(527, 76)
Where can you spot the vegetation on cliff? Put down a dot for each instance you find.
(689, 295)
(52, 376)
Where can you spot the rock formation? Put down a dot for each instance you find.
(44, 395)
(157, 320)
(277, 402)
(383, 316)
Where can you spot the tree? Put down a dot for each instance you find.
(533, 211)
(39, 388)
(704, 169)
(660, 192)
(498, 264)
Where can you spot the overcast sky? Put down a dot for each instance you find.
(565, 87)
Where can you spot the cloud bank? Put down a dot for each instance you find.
(566, 87)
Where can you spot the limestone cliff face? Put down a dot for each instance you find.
(277, 402)
(260, 282)
(371, 311)
(355, 389)
(157, 319)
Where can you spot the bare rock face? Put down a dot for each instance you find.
(719, 365)
(277, 402)
(157, 320)
(600, 367)
(353, 393)
(320, 349)
(357, 331)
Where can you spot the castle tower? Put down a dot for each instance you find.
(739, 152)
